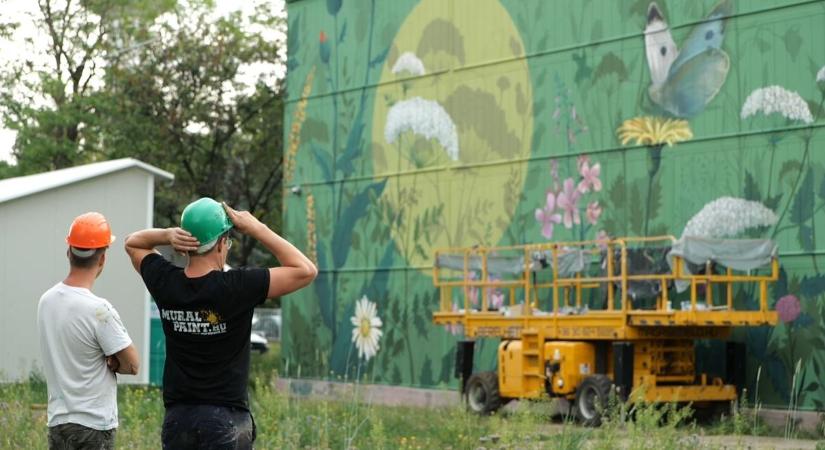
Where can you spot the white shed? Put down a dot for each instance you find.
(35, 214)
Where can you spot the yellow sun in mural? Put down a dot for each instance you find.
(654, 131)
(452, 126)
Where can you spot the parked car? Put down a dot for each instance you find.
(267, 323)
(259, 343)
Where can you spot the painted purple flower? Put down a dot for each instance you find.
(590, 177)
(788, 308)
(568, 200)
(547, 218)
(593, 212)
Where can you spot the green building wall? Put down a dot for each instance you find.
(502, 103)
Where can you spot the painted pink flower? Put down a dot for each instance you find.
(590, 177)
(582, 160)
(593, 212)
(472, 291)
(495, 295)
(568, 200)
(788, 308)
(547, 218)
(554, 173)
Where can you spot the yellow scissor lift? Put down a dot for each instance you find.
(599, 315)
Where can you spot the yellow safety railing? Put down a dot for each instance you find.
(476, 260)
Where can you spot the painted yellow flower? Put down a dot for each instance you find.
(295, 134)
(312, 246)
(367, 329)
(654, 131)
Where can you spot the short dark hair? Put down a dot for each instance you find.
(85, 262)
(225, 235)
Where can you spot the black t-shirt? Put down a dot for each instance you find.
(207, 322)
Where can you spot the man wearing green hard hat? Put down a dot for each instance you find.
(206, 314)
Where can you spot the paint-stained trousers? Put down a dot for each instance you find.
(71, 436)
(202, 427)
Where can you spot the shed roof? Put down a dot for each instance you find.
(13, 188)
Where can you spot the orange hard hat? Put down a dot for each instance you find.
(90, 230)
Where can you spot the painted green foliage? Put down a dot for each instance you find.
(546, 112)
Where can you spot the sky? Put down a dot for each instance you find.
(17, 48)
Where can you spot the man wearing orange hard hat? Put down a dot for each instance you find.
(84, 343)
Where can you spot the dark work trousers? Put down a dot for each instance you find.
(71, 436)
(202, 427)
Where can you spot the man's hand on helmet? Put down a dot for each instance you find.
(182, 240)
(243, 221)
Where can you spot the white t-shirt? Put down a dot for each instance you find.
(77, 331)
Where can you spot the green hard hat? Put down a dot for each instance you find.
(206, 220)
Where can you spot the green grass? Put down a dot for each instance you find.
(266, 366)
(285, 422)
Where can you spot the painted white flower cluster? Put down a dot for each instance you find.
(409, 63)
(425, 118)
(728, 217)
(776, 99)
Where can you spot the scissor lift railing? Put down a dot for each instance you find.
(619, 319)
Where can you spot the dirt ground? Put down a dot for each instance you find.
(755, 442)
(731, 442)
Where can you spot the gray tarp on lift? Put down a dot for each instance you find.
(738, 254)
(570, 262)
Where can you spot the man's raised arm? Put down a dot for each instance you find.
(296, 269)
(141, 243)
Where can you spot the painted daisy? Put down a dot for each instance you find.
(367, 329)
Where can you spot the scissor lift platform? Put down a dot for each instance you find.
(645, 300)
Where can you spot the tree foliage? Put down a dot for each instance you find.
(164, 82)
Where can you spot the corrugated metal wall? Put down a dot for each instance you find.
(419, 124)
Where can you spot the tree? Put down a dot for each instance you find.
(179, 104)
(50, 97)
(161, 81)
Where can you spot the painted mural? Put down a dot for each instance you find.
(420, 124)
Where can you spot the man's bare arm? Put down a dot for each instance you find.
(125, 361)
(296, 269)
(141, 243)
